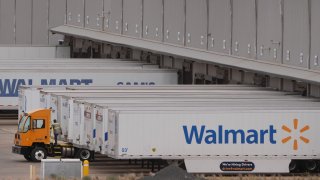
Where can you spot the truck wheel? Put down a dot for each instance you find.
(38, 153)
(84, 154)
(27, 157)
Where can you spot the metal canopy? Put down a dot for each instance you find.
(185, 52)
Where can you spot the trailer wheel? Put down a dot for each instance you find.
(27, 157)
(311, 165)
(84, 154)
(293, 166)
(38, 153)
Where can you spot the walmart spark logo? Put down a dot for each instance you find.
(295, 140)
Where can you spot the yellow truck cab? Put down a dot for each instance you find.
(33, 139)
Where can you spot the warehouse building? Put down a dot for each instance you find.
(274, 43)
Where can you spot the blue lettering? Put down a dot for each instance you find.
(10, 87)
(75, 82)
(21, 82)
(211, 137)
(263, 132)
(52, 82)
(272, 132)
(252, 137)
(30, 82)
(193, 132)
(220, 134)
(136, 83)
(234, 136)
(63, 82)
(227, 136)
(7, 87)
(86, 81)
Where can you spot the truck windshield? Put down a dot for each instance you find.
(24, 124)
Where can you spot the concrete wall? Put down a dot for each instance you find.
(27, 22)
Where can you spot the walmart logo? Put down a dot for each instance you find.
(300, 131)
(221, 135)
(226, 136)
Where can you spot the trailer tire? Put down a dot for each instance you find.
(27, 157)
(84, 154)
(293, 166)
(38, 153)
(311, 165)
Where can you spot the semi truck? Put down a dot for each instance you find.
(34, 139)
(203, 137)
(59, 101)
(84, 114)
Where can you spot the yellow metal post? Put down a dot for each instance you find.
(85, 168)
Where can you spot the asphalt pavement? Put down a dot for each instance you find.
(13, 166)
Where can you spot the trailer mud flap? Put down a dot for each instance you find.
(234, 165)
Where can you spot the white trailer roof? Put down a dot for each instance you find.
(81, 70)
(156, 87)
(199, 92)
(213, 104)
(178, 95)
(161, 99)
(63, 59)
(209, 109)
(79, 66)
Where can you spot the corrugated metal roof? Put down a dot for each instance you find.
(185, 52)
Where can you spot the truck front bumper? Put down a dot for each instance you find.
(20, 150)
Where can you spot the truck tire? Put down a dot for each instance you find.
(27, 157)
(84, 154)
(38, 153)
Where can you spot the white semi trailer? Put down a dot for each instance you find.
(11, 79)
(275, 140)
(65, 104)
(31, 98)
(89, 120)
(93, 127)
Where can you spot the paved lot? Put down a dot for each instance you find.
(12, 166)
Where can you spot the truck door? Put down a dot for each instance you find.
(40, 131)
